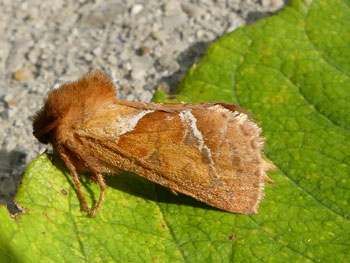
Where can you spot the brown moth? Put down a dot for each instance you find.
(210, 151)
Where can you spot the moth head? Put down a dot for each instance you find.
(73, 102)
(43, 124)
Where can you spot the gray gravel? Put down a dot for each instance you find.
(140, 44)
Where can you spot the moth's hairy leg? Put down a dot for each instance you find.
(93, 178)
(75, 176)
(174, 192)
(102, 184)
(95, 174)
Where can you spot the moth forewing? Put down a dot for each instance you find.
(210, 151)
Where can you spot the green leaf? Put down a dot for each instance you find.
(292, 71)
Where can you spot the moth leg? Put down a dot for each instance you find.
(65, 157)
(93, 178)
(174, 192)
(102, 184)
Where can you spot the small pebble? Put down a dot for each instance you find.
(191, 9)
(138, 74)
(97, 51)
(112, 59)
(23, 75)
(33, 55)
(143, 50)
(146, 96)
(88, 57)
(136, 9)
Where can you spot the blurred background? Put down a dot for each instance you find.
(139, 44)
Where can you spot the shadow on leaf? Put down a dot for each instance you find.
(135, 185)
(7, 253)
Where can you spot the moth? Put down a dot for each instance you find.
(209, 151)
